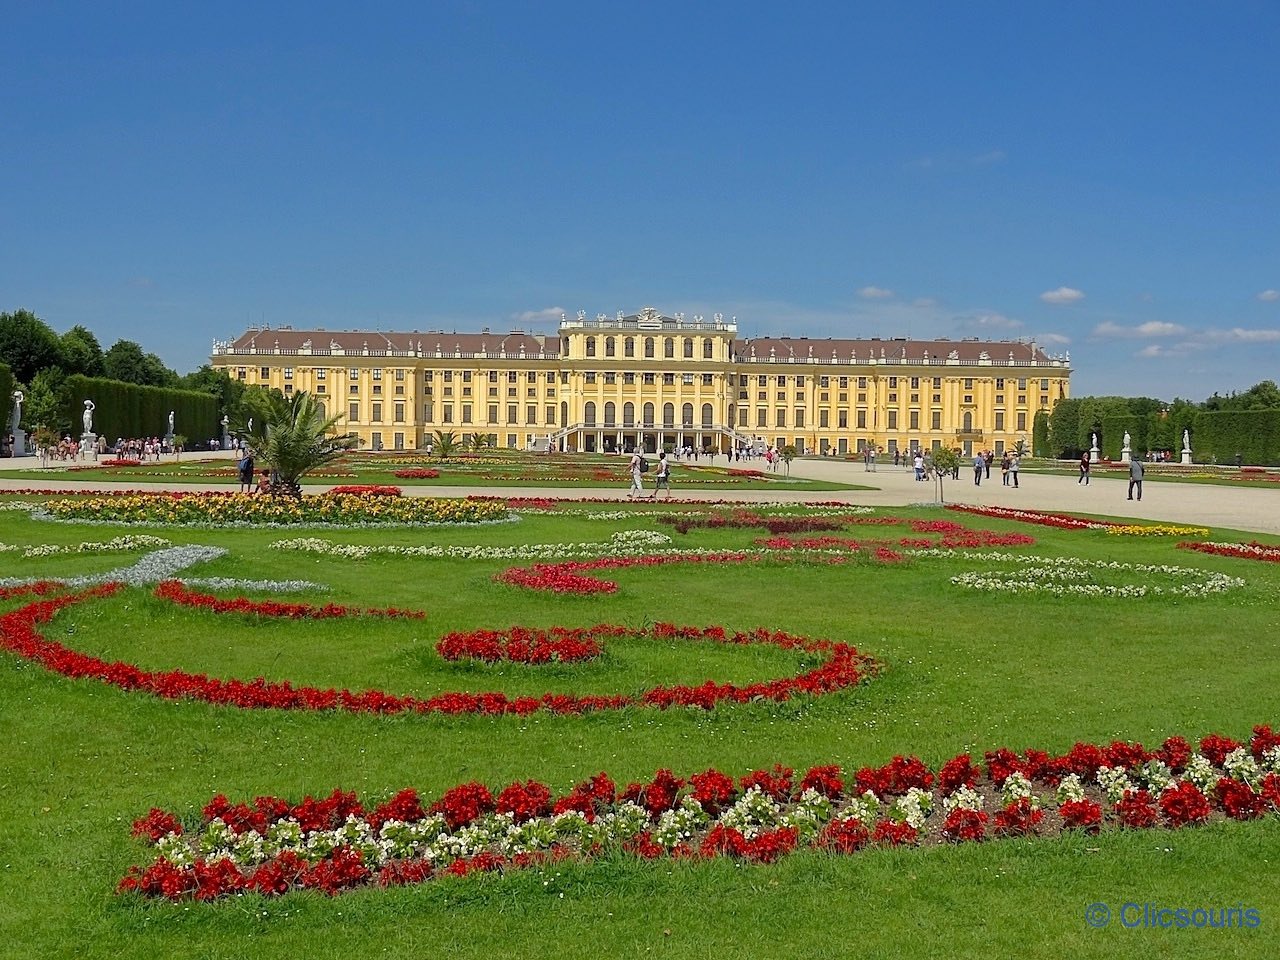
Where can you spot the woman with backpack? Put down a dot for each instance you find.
(245, 469)
(637, 466)
(662, 479)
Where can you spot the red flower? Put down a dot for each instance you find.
(1018, 818)
(776, 784)
(964, 825)
(844, 836)
(1238, 800)
(525, 800)
(826, 781)
(713, 789)
(1083, 815)
(1215, 748)
(1184, 805)
(957, 772)
(1136, 809)
(892, 834)
(464, 803)
(156, 824)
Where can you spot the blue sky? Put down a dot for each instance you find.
(1104, 178)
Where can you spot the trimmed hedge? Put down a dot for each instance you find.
(1218, 435)
(1113, 430)
(7, 385)
(131, 411)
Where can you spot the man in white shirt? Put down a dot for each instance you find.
(637, 487)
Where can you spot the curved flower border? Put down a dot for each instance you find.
(1067, 575)
(843, 667)
(174, 591)
(272, 846)
(1253, 550)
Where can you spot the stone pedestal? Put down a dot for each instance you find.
(1095, 455)
(88, 441)
(1125, 455)
(1186, 456)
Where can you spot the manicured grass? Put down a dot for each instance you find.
(963, 671)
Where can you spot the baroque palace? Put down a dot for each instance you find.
(650, 380)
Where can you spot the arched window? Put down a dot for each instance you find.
(648, 347)
(589, 414)
(628, 414)
(708, 348)
(629, 347)
(668, 414)
(608, 346)
(648, 414)
(669, 348)
(591, 346)
(706, 415)
(609, 412)
(688, 348)
(686, 415)
(564, 413)
(968, 422)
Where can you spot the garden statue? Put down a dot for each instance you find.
(89, 407)
(18, 397)
(1126, 439)
(171, 423)
(1186, 439)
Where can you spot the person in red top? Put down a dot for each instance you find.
(1084, 468)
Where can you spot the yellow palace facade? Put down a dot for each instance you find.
(654, 381)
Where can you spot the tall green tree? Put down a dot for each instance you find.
(43, 405)
(126, 361)
(290, 436)
(219, 383)
(28, 344)
(81, 352)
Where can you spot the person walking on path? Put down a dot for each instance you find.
(637, 467)
(662, 479)
(917, 464)
(979, 466)
(1004, 470)
(1135, 477)
(245, 470)
(1084, 468)
(1013, 469)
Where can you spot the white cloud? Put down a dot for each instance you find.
(1240, 335)
(1269, 296)
(1062, 295)
(875, 293)
(924, 302)
(1157, 351)
(546, 315)
(991, 321)
(1051, 339)
(1152, 328)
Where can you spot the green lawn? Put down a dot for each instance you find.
(962, 671)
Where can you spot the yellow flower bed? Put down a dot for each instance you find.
(1157, 530)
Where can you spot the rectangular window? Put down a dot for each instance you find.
(762, 417)
(862, 419)
(589, 378)
(893, 383)
(824, 418)
(353, 412)
(354, 389)
(913, 420)
(762, 381)
(531, 413)
(649, 379)
(824, 382)
(288, 373)
(999, 383)
(428, 376)
(610, 378)
(493, 376)
(448, 376)
(399, 441)
(466, 376)
(893, 419)
(937, 383)
(707, 379)
(668, 379)
(999, 398)
(844, 383)
(799, 381)
(1022, 421)
(511, 413)
(999, 419)
(288, 388)
(862, 397)
(935, 422)
(377, 373)
(937, 398)
(493, 413)
(782, 381)
(241, 372)
(1022, 383)
(551, 414)
(844, 419)
(687, 379)
(1022, 399)
(448, 413)
(742, 416)
(1044, 384)
(780, 418)
(862, 383)
(628, 378)
(968, 398)
(426, 413)
(377, 412)
(466, 413)
(321, 372)
(915, 383)
(493, 391)
(399, 412)
(264, 373)
(400, 375)
(968, 383)
(377, 440)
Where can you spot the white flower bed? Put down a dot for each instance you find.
(623, 544)
(116, 545)
(1075, 576)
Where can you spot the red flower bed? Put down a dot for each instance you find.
(523, 645)
(747, 519)
(417, 473)
(466, 805)
(1253, 550)
(367, 490)
(1059, 520)
(121, 462)
(843, 667)
(177, 592)
(554, 578)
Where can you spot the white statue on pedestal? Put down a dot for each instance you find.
(1186, 440)
(1093, 441)
(1126, 439)
(89, 407)
(171, 423)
